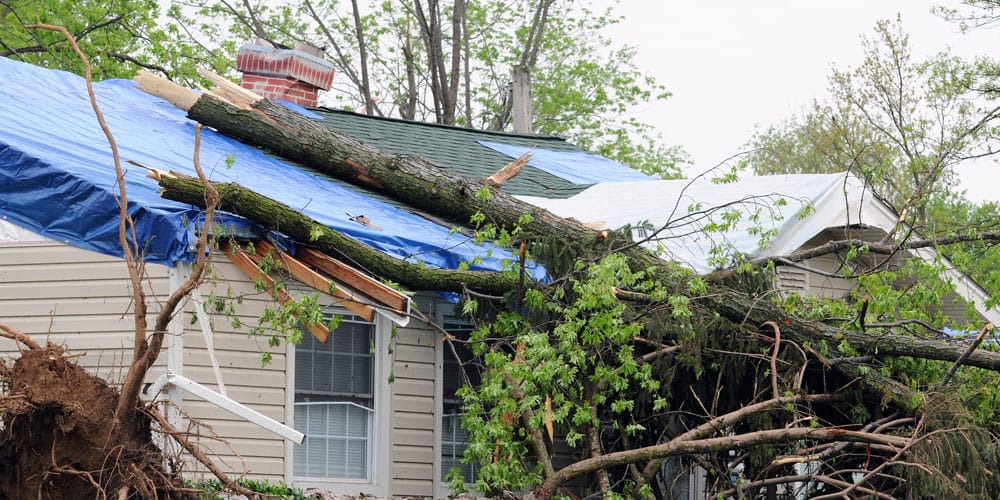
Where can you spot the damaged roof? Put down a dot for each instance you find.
(57, 177)
(478, 153)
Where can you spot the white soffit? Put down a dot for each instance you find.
(12, 233)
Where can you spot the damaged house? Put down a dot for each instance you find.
(323, 413)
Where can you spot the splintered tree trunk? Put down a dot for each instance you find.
(418, 182)
(410, 179)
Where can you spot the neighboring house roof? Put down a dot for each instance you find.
(478, 153)
(771, 216)
(683, 209)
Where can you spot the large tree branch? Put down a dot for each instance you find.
(409, 179)
(717, 444)
(421, 184)
(870, 247)
(742, 309)
(279, 217)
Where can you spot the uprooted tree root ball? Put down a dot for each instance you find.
(61, 438)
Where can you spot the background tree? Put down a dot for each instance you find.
(980, 14)
(900, 124)
(122, 36)
(451, 62)
(448, 62)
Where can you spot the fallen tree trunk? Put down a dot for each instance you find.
(279, 217)
(410, 179)
(729, 303)
(420, 183)
(742, 309)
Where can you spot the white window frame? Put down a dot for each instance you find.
(377, 483)
(441, 489)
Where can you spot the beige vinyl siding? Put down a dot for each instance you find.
(824, 286)
(244, 448)
(74, 297)
(81, 299)
(955, 307)
(412, 442)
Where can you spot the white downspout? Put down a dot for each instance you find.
(206, 331)
(174, 342)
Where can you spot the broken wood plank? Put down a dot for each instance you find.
(509, 171)
(314, 280)
(361, 282)
(243, 261)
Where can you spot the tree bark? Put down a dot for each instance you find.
(747, 310)
(716, 444)
(279, 217)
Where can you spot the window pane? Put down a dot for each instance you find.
(362, 382)
(343, 374)
(333, 393)
(315, 456)
(322, 373)
(357, 422)
(338, 458)
(337, 423)
(453, 444)
(453, 436)
(357, 459)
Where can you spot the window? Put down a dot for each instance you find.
(335, 403)
(453, 437)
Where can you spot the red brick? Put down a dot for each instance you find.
(284, 73)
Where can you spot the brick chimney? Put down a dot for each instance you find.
(296, 75)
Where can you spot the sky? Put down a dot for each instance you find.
(736, 64)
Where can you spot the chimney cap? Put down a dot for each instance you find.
(301, 65)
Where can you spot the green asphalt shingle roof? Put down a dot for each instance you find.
(456, 149)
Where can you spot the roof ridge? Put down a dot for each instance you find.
(499, 133)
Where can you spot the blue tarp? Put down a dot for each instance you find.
(57, 175)
(578, 167)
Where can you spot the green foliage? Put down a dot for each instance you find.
(951, 216)
(212, 488)
(585, 365)
(900, 124)
(581, 89)
(119, 37)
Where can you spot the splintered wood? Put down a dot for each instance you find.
(184, 98)
(509, 171)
